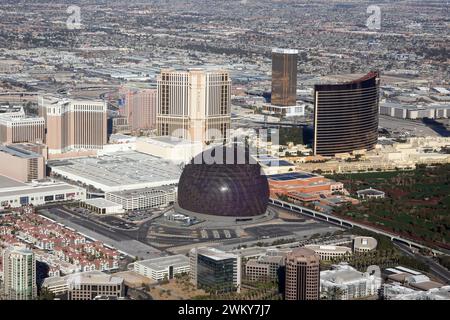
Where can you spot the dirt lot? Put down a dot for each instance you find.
(133, 279)
(175, 290)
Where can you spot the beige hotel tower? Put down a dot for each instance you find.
(73, 126)
(194, 105)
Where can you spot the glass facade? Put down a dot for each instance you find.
(284, 77)
(216, 275)
(346, 116)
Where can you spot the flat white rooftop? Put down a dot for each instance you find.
(285, 51)
(102, 203)
(30, 189)
(89, 277)
(216, 254)
(119, 171)
(144, 192)
(162, 263)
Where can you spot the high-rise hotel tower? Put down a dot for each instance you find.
(346, 116)
(16, 127)
(73, 125)
(140, 108)
(284, 77)
(194, 105)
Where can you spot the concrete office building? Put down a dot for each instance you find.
(140, 108)
(302, 275)
(74, 126)
(145, 198)
(328, 252)
(162, 267)
(19, 274)
(20, 164)
(351, 283)
(85, 285)
(256, 271)
(346, 116)
(284, 77)
(364, 244)
(194, 105)
(102, 206)
(266, 267)
(213, 268)
(16, 127)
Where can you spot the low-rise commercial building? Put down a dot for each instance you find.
(343, 282)
(364, 244)
(85, 285)
(162, 267)
(266, 267)
(102, 206)
(327, 252)
(39, 193)
(302, 182)
(396, 291)
(370, 194)
(285, 111)
(404, 111)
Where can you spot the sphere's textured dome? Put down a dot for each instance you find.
(232, 186)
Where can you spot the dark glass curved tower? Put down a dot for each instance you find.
(231, 187)
(346, 116)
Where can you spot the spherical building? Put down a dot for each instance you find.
(224, 181)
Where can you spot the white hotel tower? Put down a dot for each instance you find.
(194, 105)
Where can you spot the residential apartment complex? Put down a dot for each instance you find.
(19, 274)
